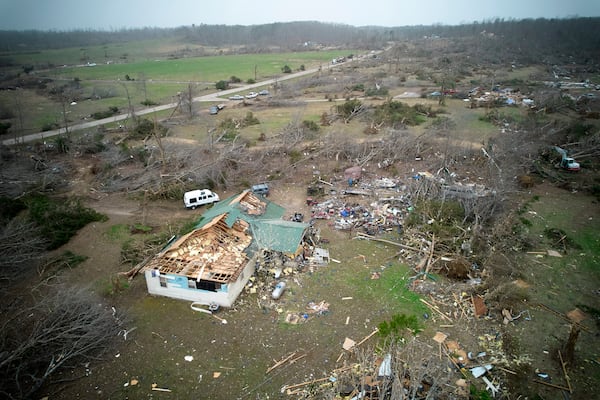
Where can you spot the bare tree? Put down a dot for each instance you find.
(130, 109)
(60, 331)
(21, 248)
(188, 100)
(142, 80)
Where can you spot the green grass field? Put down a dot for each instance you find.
(158, 79)
(200, 69)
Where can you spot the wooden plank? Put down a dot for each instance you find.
(369, 336)
(479, 307)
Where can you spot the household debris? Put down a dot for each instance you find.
(312, 309)
(289, 359)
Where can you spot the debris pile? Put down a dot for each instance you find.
(272, 267)
(498, 97)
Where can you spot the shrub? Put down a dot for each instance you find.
(359, 87)
(394, 113)
(250, 119)
(349, 107)
(286, 69)
(4, 127)
(60, 219)
(310, 125)
(295, 156)
(9, 208)
(398, 325)
(106, 113)
(222, 85)
(377, 91)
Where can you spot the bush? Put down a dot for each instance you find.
(60, 219)
(359, 87)
(145, 128)
(222, 85)
(4, 127)
(286, 69)
(398, 325)
(377, 92)
(250, 119)
(394, 113)
(349, 107)
(310, 125)
(48, 126)
(10, 208)
(106, 113)
(234, 79)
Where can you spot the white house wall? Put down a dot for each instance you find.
(177, 288)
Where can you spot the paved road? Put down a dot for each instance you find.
(217, 96)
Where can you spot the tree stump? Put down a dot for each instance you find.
(569, 349)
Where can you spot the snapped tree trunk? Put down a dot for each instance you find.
(569, 349)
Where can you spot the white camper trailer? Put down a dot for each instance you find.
(197, 198)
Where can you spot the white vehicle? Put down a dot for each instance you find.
(197, 198)
(251, 95)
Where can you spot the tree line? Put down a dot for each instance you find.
(578, 34)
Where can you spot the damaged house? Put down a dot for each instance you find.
(213, 263)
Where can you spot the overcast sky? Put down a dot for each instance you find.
(65, 15)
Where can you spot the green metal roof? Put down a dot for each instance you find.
(234, 212)
(277, 234)
(268, 229)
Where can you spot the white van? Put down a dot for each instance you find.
(197, 198)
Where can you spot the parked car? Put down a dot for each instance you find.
(214, 110)
(197, 198)
(237, 97)
(261, 189)
(264, 92)
(251, 95)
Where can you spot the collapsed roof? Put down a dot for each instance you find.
(214, 252)
(218, 249)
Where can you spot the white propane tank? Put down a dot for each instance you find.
(278, 291)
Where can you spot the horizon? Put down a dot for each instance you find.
(102, 30)
(113, 15)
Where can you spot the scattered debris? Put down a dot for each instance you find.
(480, 370)
(291, 358)
(479, 306)
(198, 306)
(553, 253)
(440, 337)
(348, 344)
(159, 389)
(278, 291)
